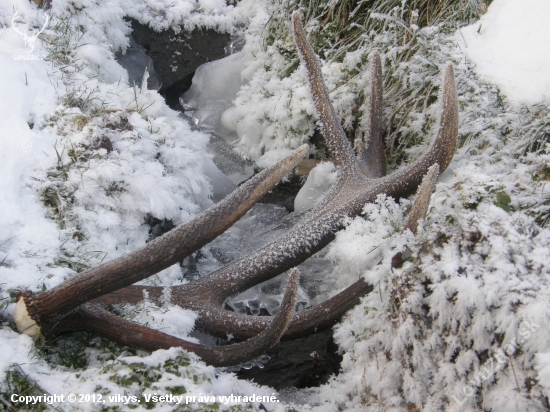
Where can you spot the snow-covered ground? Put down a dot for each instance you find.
(84, 157)
(509, 46)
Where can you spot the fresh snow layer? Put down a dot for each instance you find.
(510, 47)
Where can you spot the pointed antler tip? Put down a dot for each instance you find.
(292, 284)
(294, 275)
(434, 168)
(450, 74)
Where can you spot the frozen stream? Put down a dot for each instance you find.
(208, 106)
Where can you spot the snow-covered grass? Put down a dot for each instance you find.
(85, 157)
(463, 325)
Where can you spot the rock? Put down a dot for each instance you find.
(157, 227)
(284, 193)
(177, 56)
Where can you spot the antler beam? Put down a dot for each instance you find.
(93, 318)
(359, 181)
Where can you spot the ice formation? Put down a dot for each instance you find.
(318, 182)
(214, 88)
(139, 65)
(209, 101)
(235, 45)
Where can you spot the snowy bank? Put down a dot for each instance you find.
(509, 46)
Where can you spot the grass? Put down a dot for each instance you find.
(536, 128)
(410, 60)
(16, 381)
(61, 45)
(84, 98)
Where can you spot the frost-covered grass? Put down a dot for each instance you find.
(103, 154)
(412, 39)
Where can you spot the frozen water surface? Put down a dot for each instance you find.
(208, 106)
(136, 62)
(214, 87)
(261, 225)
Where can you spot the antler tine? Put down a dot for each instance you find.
(92, 318)
(155, 256)
(405, 182)
(419, 208)
(371, 155)
(335, 137)
(316, 318)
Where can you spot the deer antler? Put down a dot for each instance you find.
(77, 304)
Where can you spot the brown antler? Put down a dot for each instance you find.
(159, 253)
(360, 180)
(102, 322)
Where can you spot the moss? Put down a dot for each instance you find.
(176, 390)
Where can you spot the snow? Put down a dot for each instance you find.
(105, 153)
(509, 46)
(478, 277)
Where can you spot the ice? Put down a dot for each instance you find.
(266, 299)
(261, 225)
(235, 45)
(221, 184)
(219, 80)
(228, 161)
(209, 104)
(259, 362)
(136, 62)
(208, 116)
(319, 181)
